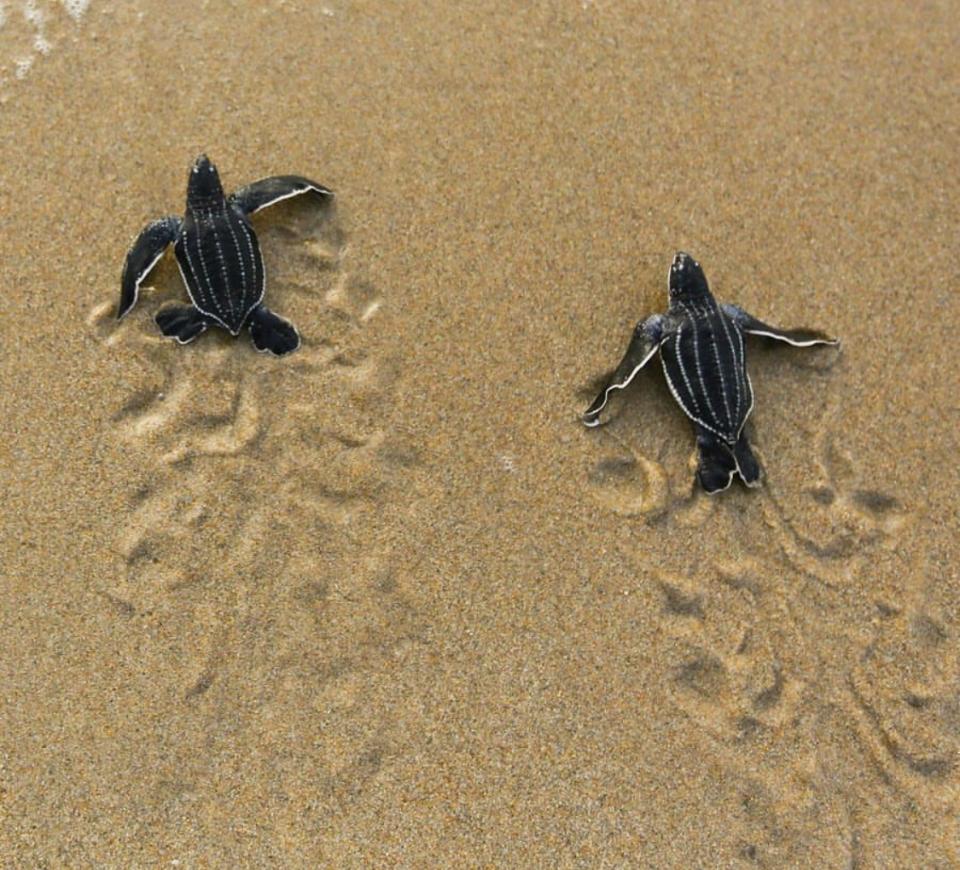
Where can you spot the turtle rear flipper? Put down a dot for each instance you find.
(747, 466)
(143, 256)
(268, 191)
(272, 333)
(717, 464)
(797, 337)
(182, 322)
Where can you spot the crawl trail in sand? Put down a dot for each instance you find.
(254, 529)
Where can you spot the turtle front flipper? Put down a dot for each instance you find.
(182, 322)
(646, 340)
(143, 256)
(271, 333)
(717, 463)
(268, 191)
(796, 337)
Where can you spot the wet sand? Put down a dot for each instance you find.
(386, 601)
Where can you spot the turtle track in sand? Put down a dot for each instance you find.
(787, 662)
(793, 671)
(785, 650)
(254, 551)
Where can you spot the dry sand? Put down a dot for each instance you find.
(387, 601)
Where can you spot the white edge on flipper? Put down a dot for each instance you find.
(140, 279)
(833, 342)
(192, 338)
(726, 486)
(756, 484)
(595, 416)
(734, 473)
(306, 189)
(267, 349)
(278, 355)
(143, 275)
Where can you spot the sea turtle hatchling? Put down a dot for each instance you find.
(704, 361)
(219, 258)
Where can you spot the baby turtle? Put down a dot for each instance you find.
(704, 360)
(219, 258)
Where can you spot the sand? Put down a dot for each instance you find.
(387, 602)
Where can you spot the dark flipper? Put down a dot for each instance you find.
(717, 463)
(796, 337)
(747, 466)
(267, 191)
(272, 333)
(182, 322)
(143, 256)
(643, 345)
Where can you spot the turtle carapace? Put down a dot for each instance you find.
(219, 258)
(703, 354)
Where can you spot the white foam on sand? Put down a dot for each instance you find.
(33, 41)
(75, 8)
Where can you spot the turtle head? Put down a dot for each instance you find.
(686, 280)
(204, 181)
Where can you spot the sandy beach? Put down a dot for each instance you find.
(386, 601)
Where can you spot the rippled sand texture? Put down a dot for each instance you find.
(386, 601)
